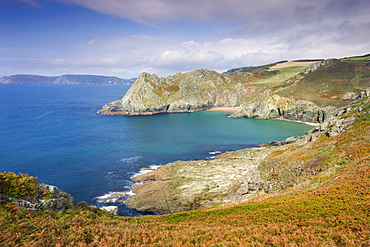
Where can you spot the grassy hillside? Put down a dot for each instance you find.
(282, 75)
(329, 84)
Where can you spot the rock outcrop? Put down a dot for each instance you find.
(56, 200)
(270, 106)
(231, 177)
(193, 91)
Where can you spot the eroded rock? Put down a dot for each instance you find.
(185, 185)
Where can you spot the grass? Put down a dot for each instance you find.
(283, 75)
(357, 58)
(327, 85)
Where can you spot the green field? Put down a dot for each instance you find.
(283, 75)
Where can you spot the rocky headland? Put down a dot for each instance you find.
(196, 90)
(65, 80)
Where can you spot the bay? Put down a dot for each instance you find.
(54, 132)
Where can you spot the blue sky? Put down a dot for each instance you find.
(126, 37)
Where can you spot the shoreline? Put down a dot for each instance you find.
(297, 121)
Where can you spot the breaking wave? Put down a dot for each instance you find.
(131, 159)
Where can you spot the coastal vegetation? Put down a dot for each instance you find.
(316, 189)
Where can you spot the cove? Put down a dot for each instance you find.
(54, 132)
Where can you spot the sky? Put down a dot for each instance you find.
(126, 37)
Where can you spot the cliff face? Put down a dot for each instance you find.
(270, 106)
(193, 91)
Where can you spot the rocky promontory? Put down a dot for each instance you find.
(184, 92)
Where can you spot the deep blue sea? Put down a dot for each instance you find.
(54, 132)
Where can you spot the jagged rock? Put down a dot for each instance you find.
(317, 65)
(270, 106)
(336, 125)
(363, 94)
(349, 95)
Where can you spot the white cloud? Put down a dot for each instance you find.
(251, 33)
(130, 55)
(262, 13)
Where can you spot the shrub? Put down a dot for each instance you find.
(17, 186)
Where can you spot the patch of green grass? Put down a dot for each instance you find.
(283, 75)
(364, 57)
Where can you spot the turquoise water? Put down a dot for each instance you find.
(54, 132)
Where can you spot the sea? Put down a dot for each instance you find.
(55, 133)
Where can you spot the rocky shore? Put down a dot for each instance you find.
(231, 177)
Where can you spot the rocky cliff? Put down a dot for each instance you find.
(239, 176)
(271, 106)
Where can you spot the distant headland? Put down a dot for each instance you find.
(66, 80)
